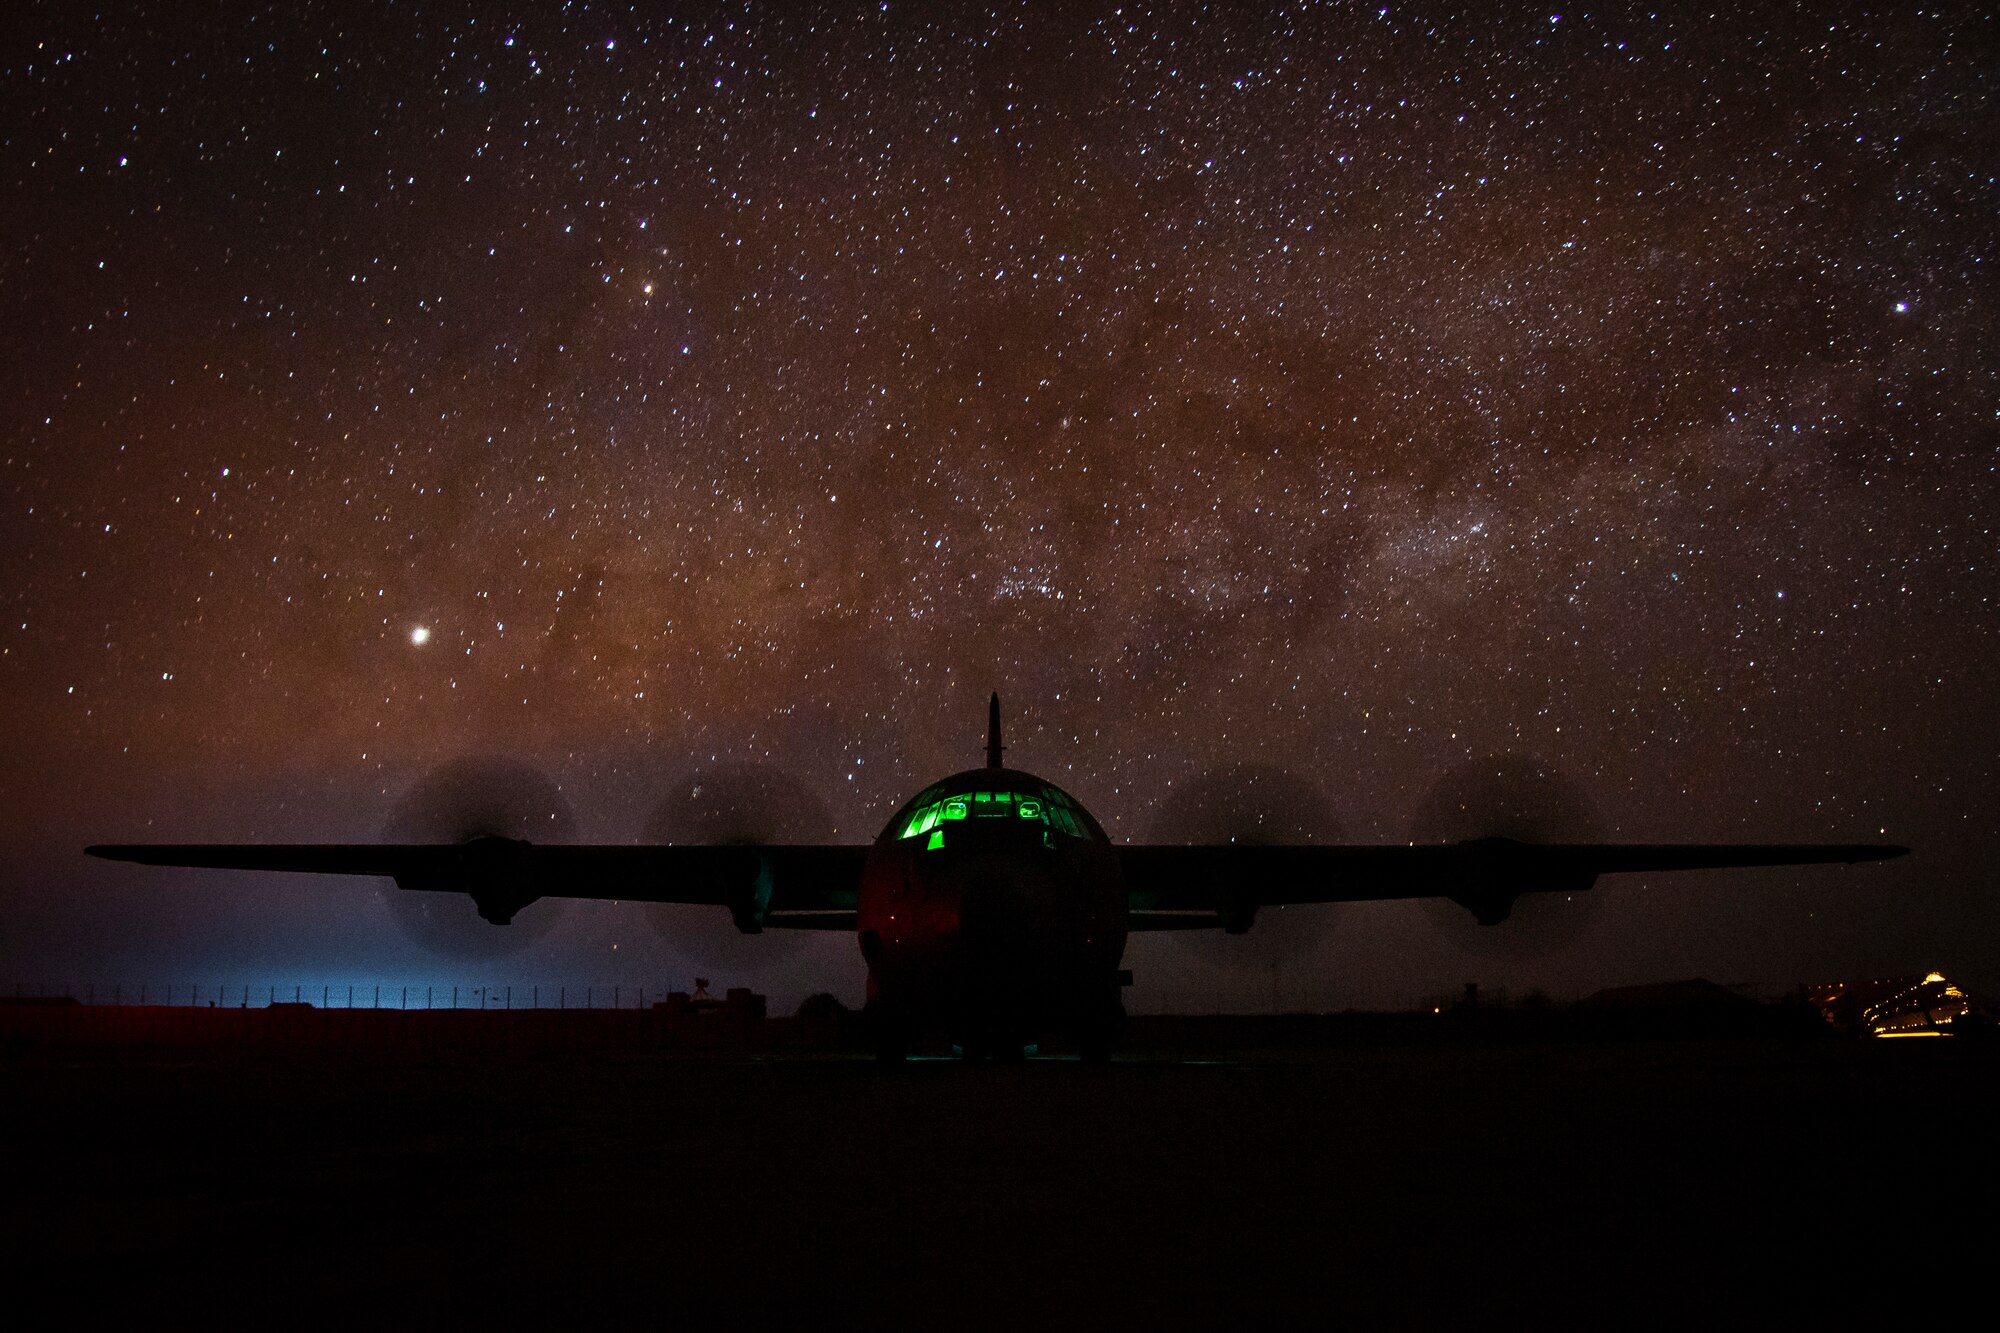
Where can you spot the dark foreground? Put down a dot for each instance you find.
(1729, 1182)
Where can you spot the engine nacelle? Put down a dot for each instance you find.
(1488, 906)
(750, 893)
(1508, 869)
(1237, 907)
(487, 870)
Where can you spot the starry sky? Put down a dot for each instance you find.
(1347, 395)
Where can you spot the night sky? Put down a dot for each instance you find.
(1324, 398)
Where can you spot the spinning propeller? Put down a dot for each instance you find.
(1518, 797)
(468, 802)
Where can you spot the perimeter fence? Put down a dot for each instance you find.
(423, 1022)
(367, 995)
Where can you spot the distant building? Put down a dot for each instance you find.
(1911, 1006)
(738, 1003)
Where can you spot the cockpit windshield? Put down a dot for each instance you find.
(1028, 804)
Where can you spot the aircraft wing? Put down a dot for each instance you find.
(505, 874)
(1486, 875)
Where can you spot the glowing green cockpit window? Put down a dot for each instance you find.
(1049, 808)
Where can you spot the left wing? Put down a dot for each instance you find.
(1485, 875)
(503, 875)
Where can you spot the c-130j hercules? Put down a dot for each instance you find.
(993, 910)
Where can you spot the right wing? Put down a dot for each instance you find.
(1485, 875)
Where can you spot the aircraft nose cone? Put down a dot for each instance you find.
(993, 915)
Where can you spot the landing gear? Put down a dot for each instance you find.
(889, 1037)
(1101, 1032)
(1004, 1051)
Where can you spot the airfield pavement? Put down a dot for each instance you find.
(1726, 1183)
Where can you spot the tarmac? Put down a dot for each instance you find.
(1736, 1181)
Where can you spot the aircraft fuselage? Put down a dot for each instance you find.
(992, 912)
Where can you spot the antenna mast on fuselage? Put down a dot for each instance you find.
(993, 746)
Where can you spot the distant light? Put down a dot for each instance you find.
(1902, 307)
(420, 636)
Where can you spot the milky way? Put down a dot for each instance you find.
(1357, 392)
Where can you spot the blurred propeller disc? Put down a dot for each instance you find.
(1520, 797)
(476, 797)
(750, 804)
(1258, 805)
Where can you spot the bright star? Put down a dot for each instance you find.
(420, 636)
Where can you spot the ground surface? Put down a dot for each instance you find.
(1579, 1184)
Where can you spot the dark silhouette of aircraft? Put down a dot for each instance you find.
(993, 909)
